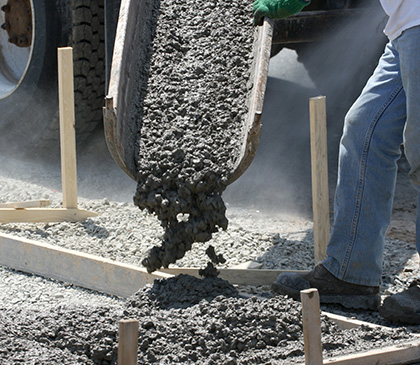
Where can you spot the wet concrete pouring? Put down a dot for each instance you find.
(194, 109)
(196, 119)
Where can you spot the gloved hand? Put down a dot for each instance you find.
(276, 9)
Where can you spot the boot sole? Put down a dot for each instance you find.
(367, 302)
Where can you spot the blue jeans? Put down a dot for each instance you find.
(386, 115)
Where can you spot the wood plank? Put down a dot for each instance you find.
(128, 342)
(311, 322)
(319, 167)
(236, 276)
(398, 354)
(27, 204)
(252, 265)
(349, 323)
(67, 127)
(36, 215)
(82, 269)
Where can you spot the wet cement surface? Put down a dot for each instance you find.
(181, 320)
(194, 109)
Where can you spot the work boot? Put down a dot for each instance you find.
(330, 289)
(403, 307)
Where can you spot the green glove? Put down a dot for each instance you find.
(276, 9)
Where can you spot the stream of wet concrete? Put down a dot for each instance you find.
(193, 114)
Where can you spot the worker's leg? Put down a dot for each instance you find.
(369, 150)
(405, 306)
(408, 46)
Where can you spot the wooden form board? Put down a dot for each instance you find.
(348, 323)
(248, 265)
(97, 273)
(399, 354)
(236, 276)
(36, 215)
(26, 204)
(405, 353)
(85, 270)
(319, 170)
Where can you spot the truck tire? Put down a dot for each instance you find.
(88, 42)
(28, 76)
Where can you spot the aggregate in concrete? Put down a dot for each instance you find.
(193, 111)
(181, 320)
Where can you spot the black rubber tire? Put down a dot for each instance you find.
(88, 42)
(29, 119)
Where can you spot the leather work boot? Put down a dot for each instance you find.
(403, 307)
(331, 289)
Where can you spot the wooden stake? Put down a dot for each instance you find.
(319, 166)
(24, 211)
(128, 342)
(67, 127)
(311, 320)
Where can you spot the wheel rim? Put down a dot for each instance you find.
(16, 43)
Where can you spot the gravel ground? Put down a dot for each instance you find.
(29, 305)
